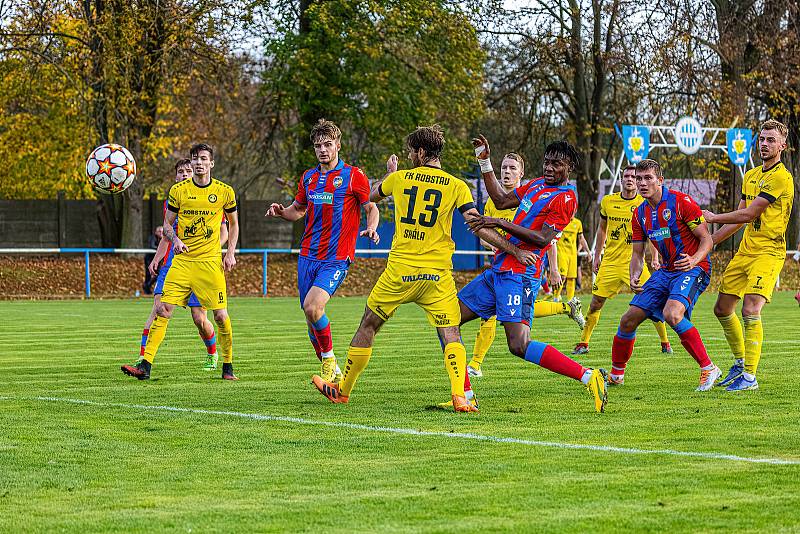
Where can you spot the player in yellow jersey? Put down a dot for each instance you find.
(612, 256)
(765, 207)
(199, 205)
(568, 247)
(512, 170)
(419, 268)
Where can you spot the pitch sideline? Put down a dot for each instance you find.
(415, 432)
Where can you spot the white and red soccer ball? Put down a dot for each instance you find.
(110, 168)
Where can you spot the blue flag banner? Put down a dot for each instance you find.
(740, 141)
(636, 141)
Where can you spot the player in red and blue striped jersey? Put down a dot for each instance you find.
(673, 222)
(508, 290)
(183, 171)
(330, 196)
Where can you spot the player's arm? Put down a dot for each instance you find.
(655, 258)
(582, 244)
(373, 219)
(599, 242)
(497, 241)
(502, 199)
(161, 251)
(726, 230)
(637, 265)
(379, 192)
(169, 232)
(537, 238)
(742, 215)
(229, 260)
(291, 213)
(554, 278)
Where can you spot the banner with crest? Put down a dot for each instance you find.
(636, 141)
(740, 142)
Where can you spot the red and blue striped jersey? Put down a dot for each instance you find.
(333, 203)
(669, 227)
(539, 205)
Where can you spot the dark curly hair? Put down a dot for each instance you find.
(564, 150)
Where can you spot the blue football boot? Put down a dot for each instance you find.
(735, 372)
(743, 384)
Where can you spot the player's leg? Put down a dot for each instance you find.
(753, 335)
(148, 323)
(592, 319)
(320, 330)
(624, 340)
(455, 363)
(685, 289)
(209, 286)
(483, 342)
(732, 288)
(225, 337)
(207, 333)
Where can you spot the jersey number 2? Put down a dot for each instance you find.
(432, 198)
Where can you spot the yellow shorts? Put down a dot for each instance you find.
(204, 278)
(568, 265)
(433, 290)
(611, 279)
(751, 275)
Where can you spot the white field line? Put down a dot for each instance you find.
(415, 432)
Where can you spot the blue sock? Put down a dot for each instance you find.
(321, 323)
(683, 326)
(534, 351)
(626, 335)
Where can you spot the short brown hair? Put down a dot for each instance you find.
(325, 129)
(772, 124)
(199, 147)
(182, 163)
(428, 138)
(516, 157)
(628, 167)
(647, 164)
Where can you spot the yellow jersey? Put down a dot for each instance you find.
(568, 243)
(424, 200)
(200, 213)
(618, 212)
(767, 234)
(489, 210)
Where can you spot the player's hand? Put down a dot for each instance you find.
(481, 141)
(153, 268)
(479, 221)
(554, 280)
(372, 234)
(228, 261)
(275, 210)
(797, 297)
(596, 265)
(709, 216)
(178, 247)
(685, 263)
(526, 257)
(655, 263)
(391, 164)
(636, 287)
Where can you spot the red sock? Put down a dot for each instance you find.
(694, 345)
(621, 351)
(145, 334)
(324, 338)
(315, 343)
(210, 342)
(467, 383)
(557, 362)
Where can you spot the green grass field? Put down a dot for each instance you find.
(127, 460)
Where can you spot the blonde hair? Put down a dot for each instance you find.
(772, 124)
(516, 157)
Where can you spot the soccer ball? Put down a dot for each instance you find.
(110, 169)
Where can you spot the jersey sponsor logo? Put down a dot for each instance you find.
(666, 214)
(323, 197)
(659, 234)
(198, 212)
(198, 228)
(440, 319)
(212, 198)
(338, 181)
(547, 195)
(525, 205)
(513, 311)
(420, 277)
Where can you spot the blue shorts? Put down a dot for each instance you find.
(159, 288)
(683, 286)
(507, 295)
(325, 274)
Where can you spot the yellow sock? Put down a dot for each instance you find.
(484, 339)
(546, 309)
(661, 328)
(357, 360)
(753, 339)
(591, 321)
(455, 361)
(570, 288)
(734, 334)
(225, 340)
(157, 331)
